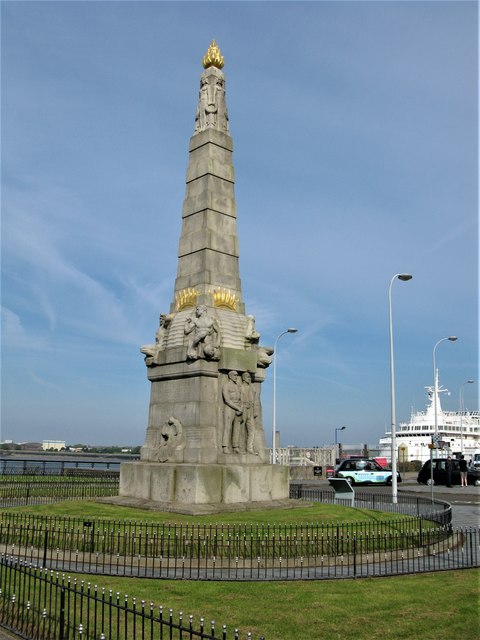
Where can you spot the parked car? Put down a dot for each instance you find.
(440, 473)
(364, 471)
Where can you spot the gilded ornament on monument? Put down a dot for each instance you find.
(213, 57)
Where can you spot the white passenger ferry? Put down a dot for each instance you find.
(458, 432)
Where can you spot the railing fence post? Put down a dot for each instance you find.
(45, 544)
(62, 614)
(355, 557)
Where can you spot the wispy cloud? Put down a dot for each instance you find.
(38, 245)
(14, 335)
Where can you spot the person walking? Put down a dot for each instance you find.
(449, 469)
(463, 471)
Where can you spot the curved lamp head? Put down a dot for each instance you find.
(452, 338)
(404, 276)
(340, 428)
(292, 330)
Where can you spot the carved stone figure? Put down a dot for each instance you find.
(151, 351)
(233, 413)
(211, 110)
(251, 334)
(264, 356)
(248, 407)
(205, 338)
(170, 440)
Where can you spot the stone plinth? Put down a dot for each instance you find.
(198, 484)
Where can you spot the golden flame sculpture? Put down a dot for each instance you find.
(225, 298)
(213, 57)
(186, 298)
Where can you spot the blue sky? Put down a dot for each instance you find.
(356, 156)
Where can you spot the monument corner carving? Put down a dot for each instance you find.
(151, 351)
(264, 357)
(251, 334)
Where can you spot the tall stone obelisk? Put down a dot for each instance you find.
(205, 442)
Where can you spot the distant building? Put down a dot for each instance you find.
(30, 446)
(58, 445)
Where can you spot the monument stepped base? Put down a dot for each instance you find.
(203, 509)
(202, 488)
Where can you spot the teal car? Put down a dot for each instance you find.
(364, 471)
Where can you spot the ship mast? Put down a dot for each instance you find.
(431, 396)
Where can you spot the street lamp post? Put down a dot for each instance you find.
(336, 442)
(462, 410)
(435, 408)
(274, 423)
(404, 277)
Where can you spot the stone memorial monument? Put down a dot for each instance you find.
(205, 444)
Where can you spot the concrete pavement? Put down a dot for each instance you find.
(7, 635)
(465, 501)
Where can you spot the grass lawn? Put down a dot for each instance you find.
(316, 513)
(427, 606)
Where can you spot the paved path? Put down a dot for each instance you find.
(465, 501)
(6, 635)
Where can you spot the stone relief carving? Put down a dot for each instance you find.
(168, 441)
(204, 335)
(233, 413)
(248, 408)
(239, 412)
(151, 351)
(212, 109)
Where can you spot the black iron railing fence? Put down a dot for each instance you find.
(39, 603)
(37, 489)
(236, 552)
(437, 511)
(60, 464)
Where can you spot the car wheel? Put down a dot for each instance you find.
(351, 480)
(430, 482)
(388, 481)
(477, 483)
